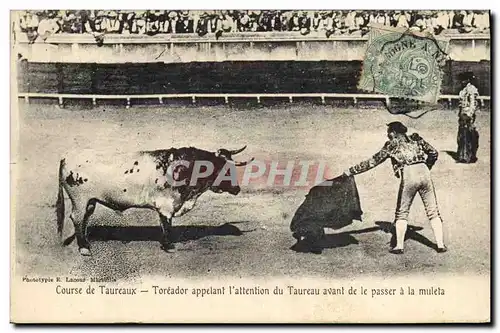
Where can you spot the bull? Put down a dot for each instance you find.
(168, 181)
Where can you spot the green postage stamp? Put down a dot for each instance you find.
(402, 63)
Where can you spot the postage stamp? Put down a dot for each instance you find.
(401, 63)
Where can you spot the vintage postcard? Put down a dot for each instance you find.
(250, 166)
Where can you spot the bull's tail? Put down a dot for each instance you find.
(60, 201)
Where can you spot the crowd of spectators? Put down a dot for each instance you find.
(99, 22)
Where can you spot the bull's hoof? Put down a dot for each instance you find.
(169, 247)
(84, 251)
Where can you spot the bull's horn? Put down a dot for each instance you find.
(243, 163)
(237, 151)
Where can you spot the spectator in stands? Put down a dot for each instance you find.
(340, 23)
(372, 19)
(402, 20)
(139, 23)
(244, 22)
(275, 21)
(419, 25)
(202, 27)
(64, 20)
(102, 22)
(114, 25)
(88, 21)
(442, 22)
(48, 26)
(173, 17)
(458, 19)
(153, 22)
(467, 21)
(395, 18)
(413, 16)
(265, 22)
(185, 24)
(227, 22)
(29, 24)
(379, 17)
(214, 23)
(97, 21)
(329, 24)
(433, 24)
(33, 20)
(350, 22)
(256, 20)
(361, 20)
(429, 21)
(451, 19)
(293, 24)
(305, 24)
(23, 20)
(164, 24)
(482, 21)
(196, 18)
(235, 16)
(316, 22)
(285, 21)
(127, 19)
(386, 18)
(389, 19)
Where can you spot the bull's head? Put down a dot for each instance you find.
(227, 171)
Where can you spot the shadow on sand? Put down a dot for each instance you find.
(179, 233)
(332, 241)
(453, 154)
(344, 239)
(411, 233)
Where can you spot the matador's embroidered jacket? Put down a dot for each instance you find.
(468, 100)
(402, 151)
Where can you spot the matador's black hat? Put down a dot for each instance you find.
(397, 127)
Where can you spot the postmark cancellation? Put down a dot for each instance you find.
(405, 64)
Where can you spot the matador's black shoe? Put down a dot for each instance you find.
(441, 249)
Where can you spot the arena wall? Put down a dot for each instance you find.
(217, 77)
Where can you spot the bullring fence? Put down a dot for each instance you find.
(226, 97)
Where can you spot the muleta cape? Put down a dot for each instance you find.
(332, 206)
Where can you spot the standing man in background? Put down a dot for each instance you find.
(467, 137)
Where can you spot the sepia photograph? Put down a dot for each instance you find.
(250, 166)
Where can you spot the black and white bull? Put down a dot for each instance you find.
(167, 181)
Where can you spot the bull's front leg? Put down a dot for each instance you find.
(165, 208)
(166, 237)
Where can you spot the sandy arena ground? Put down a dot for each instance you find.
(248, 235)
